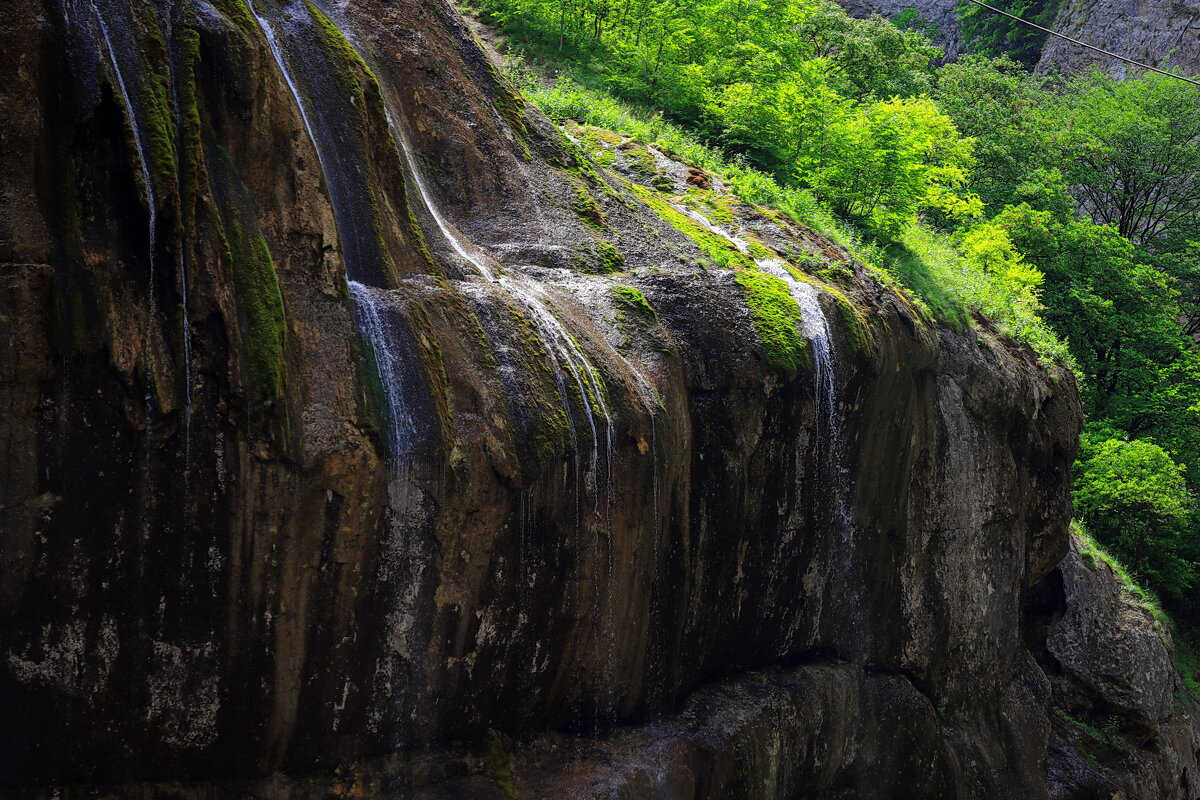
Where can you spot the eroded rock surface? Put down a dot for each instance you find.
(1124, 720)
(591, 474)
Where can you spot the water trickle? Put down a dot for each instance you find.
(138, 138)
(274, 42)
(817, 331)
(293, 38)
(447, 230)
(385, 333)
(830, 450)
(707, 224)
(571, 361)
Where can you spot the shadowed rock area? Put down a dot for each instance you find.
(366, 435)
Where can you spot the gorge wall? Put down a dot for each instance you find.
(364, 434)
(1161, 33)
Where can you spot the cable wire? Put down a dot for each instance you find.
(1085, 44)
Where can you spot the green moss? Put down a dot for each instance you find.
(586, 207)
(510, 105)
(192, 155)
(596, 135)
(343, 55)
(859, 333)
(160, 132)
(238, 13)
(640, 158)
(632, 299)
(261, 303)
(757, 249)
(611, 259)
(551, 429)
(775, 316)
(714, 206)
(718, 249)
(499, 762)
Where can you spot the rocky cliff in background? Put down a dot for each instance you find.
(1161, 33)
(361, 426)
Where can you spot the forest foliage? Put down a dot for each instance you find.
(1067, 208)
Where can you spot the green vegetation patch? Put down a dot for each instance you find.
(586, 207)
(238, 13)
(1093, 554)
(640, 158)
(499, 762)
(261, 301)
(631, 298)
(551, 428)
(775, 316)
(718, 249)
(191, 157)
(160, 131)
(345, 59)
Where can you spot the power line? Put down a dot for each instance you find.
(1085, 44)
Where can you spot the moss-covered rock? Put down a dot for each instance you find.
(775, 316)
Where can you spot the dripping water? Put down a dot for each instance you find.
(138, 141)
(831, 456)
(573, 362)
(445, 227)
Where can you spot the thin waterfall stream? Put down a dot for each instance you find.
(138, 141)
(827, 434)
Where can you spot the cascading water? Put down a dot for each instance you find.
(294, 41)
(827, 437)
(573, 362)
(379, 326)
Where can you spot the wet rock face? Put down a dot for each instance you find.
(548, 464)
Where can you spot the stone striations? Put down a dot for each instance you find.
(363, 427)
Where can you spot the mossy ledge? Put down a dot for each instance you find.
(631, 298)
(775, 315)
(718, 249)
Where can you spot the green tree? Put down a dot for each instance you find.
(1133, 154)
(1133, 498)
(993, 34)
(890, 159)
(1003, 107)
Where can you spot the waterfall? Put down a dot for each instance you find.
(384, 330)
(572, 361)
(820, 338)
(445, 227)
(138, 140)
(273, 42)
(830, 449)
(307, 70)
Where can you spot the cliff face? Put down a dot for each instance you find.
(1162, 33)
(360, 424)
(1119, 701)
(1156, 32)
